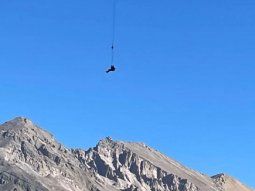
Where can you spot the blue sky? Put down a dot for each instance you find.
(184, 82)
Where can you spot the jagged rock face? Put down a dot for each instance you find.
(228, 183)
(25, 148)
(31, 159)
(128, 171)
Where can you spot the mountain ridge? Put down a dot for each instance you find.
(31, 159)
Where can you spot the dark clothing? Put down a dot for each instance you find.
(112, 69)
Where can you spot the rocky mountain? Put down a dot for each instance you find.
(32, 160)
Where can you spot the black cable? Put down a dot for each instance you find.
(113, 30)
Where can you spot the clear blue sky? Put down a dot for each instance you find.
(184, 85)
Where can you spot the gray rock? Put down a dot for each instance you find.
(32, 160)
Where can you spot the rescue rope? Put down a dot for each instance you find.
(113, 31)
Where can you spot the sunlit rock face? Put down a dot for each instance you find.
(32, 160)
(129, 171)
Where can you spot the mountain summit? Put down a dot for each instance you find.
(32, 160)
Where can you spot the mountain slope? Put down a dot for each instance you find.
(31, 159)
(136, 165)
(229, 183)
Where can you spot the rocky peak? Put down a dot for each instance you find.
(31, 149)
(23, 129)
(31, 159)
(227, 183)
(105, 142)
(221, 178)
(128, 169)
(19, 122)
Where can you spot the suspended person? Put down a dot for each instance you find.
(112, 69)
